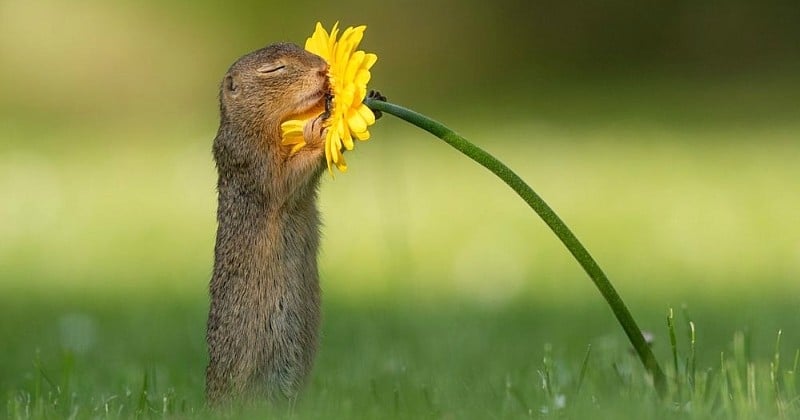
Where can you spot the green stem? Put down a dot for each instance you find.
(550, 218)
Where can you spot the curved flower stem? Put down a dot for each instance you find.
(550, 218)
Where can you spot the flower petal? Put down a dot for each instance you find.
(342, 165)
(292, 134)
(347, 138)
(356, 121)
(353, 65)
(318, 42)
(348, 74)
(363, 135)
(362, 77)
(369, 60)
(328, 156)
(366, 114)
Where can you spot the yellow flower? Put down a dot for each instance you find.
(348, 71)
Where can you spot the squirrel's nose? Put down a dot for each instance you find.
(323, 71)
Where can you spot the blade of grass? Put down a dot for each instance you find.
(66, 376)
(725, 387)
(691, 365)
(673, 341)
(774, 375)
(584, 368)
(796, 360)
(142, 407)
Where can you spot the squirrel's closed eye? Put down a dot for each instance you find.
(270, 68)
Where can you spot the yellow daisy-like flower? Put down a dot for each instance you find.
(348, 71)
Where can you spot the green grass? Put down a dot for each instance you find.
(122, 357)
(444, 296)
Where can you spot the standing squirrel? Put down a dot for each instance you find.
(264, 318)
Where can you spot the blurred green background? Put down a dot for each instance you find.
(665, 133)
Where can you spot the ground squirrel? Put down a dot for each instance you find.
(265, 298)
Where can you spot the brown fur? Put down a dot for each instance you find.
(265, 298)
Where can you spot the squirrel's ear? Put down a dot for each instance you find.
(229, 85)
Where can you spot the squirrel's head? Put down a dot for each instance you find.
(259, 92)
(270, 85)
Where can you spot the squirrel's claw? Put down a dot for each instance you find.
(314, 130)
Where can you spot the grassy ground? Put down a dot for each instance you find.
(121, 357)
(444, 296)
